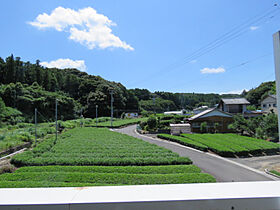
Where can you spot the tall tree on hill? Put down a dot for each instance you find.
(10, 69)
(46, 80)
(38, 72)
(53, 83)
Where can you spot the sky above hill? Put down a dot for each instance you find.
(162, 45)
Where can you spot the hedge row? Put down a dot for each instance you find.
(184, 141)
(229, 145)
(212, 145)
(31, 184)
(169, 169)
(108, 178)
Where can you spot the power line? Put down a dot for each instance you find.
(235, 66)
(234, 33)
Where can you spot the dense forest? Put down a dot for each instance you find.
(25, 86)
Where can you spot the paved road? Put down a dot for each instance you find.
(222, 169)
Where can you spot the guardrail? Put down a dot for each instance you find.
(231, 196)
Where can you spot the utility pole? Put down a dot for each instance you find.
(96, 107)
(112, 111)
(56, 120)
(276, 46)
(35, 126)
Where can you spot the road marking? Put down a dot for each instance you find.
(213, 155)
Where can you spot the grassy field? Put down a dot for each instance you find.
(97, 156)
(228, 145)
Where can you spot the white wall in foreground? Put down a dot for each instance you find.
(242, 195)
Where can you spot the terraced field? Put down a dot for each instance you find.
(228, 145)
(98, 156)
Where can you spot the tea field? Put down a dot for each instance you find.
(97, 156)
(227, 145)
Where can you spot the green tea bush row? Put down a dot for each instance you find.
(184, 141)
(101, 146)
(213, 146)
(238, 149)
(166, 169)
(109, 178)
(32, 184)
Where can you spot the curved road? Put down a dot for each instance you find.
(222, 169)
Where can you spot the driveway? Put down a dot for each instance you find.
(224, 170)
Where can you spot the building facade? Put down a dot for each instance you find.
(269, 104)
(217, 121)
(233, 105)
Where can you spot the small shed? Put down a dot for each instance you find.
(212, 117)
(177, 129)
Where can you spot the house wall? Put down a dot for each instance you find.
(223, 121)
(268, 104)
(235, 108)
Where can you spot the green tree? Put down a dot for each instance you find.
(152, 123)
(203, 127)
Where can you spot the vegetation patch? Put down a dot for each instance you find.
(97, 146)
(184, 141)
(166, 169)
(227, 145)
(275, 172)
(105, 178)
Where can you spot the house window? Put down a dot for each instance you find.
(269, 105)
(196, 125)
(274, 105)
(264, 105)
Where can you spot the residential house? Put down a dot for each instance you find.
(233, 105)
(211, 117)
(269, 104)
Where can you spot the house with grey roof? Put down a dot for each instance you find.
(233, 105)
(269, 104)
(215, 119)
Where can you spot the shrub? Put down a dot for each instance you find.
(152, 123)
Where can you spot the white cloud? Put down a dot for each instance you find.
(234, 92)
(212, 70)
(65, 63)
(253, 28)
(85, 26)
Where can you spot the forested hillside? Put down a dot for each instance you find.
(256, 95)
(25, 86)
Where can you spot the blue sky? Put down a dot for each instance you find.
(143, 43)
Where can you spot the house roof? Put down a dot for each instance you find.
(208, 111)
(235, 101)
